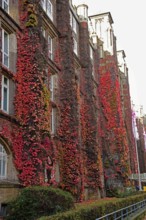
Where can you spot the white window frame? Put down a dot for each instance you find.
(48, 8)
(75, 48)
(5, 86)
(4, 53)
(3, 162)
(50, 47)
(5, 2)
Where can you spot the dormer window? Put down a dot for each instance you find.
(5, 5)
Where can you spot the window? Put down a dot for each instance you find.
(53, 87)
(50, 47)
(5, 94)
(5, 5)
(5, 48)
(101, 51)
(75, 46)
(91, 53)
(3, 162)
(111, 37)
(53, 120)
(43, 32)
(48, 8)
(73, 22)
(70, 18)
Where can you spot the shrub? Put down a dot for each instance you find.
(96, 209)
(37, 201)
(122, 192)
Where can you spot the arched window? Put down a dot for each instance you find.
(3, 162)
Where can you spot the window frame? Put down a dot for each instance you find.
(45, 4)
(3, 162)
(3, 5)
(3, 48)
(5, 86)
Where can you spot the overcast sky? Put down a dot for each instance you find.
(130, 29)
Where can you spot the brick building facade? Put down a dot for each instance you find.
(55, 127)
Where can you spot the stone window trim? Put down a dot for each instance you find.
(8, 23)
(5, 94)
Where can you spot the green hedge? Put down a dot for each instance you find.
(34, 202)
(96, 209)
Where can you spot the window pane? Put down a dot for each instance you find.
(3, 162)
(4, 167)
(43, 4)
(5, 42)
(70, 18)
(5, 81)
(50, 47)
(49, 8)
(74, 25)
(6, 60)
(1, 149)
(5, 6)
(5, 100)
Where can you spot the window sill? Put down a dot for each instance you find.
(6, 183)
(7, 116)
(7, 72)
